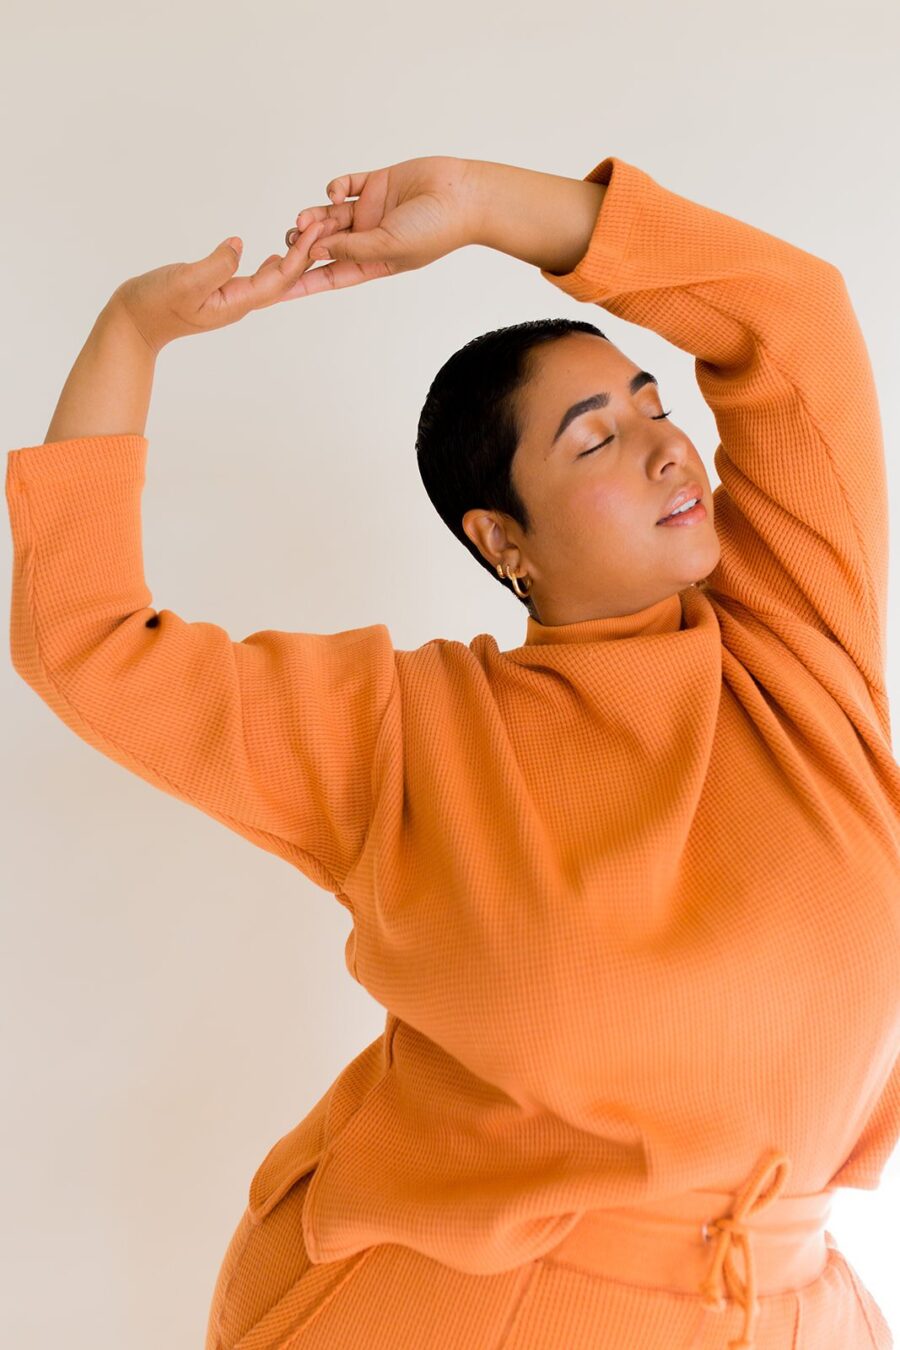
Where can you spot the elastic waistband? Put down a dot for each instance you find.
(686, 1243)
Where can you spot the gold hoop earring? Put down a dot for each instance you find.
(514, 580)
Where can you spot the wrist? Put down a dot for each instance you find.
(541, 218)
(122, 317)
(475, 194)
(483, 183)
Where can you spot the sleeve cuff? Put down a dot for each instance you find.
(81, 457)
(619, 213)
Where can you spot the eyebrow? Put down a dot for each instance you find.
(600, 401)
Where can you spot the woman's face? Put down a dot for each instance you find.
(595, 549)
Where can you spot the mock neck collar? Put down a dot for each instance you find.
(663, 617)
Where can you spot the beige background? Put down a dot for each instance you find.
(173, 999)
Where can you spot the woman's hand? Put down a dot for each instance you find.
(404, 217)
(184, 298)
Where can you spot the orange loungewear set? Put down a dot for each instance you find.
(629, 893)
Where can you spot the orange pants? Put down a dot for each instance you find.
(622, 1279)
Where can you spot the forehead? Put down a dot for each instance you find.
(563, 363)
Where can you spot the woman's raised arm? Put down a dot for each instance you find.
(275, 735)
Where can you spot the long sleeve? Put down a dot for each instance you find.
(274, 736)
(802, 509)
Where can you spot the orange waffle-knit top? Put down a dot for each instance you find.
(629, 893)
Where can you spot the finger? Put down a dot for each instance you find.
(357, 246)
(342, 213)
(335, 276)
(346, 185)
(239, 295)
(275, 259)
(329, 223)
(269, 283)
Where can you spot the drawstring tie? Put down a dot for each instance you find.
(772, 1171)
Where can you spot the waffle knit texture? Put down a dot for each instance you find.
(629, 893)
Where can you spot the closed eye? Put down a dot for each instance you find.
(655, 418)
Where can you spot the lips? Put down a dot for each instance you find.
(683, 495)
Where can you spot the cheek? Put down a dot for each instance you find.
(609, 505)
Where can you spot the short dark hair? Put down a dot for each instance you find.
(469, 427)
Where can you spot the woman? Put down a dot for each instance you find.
(629, 891)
